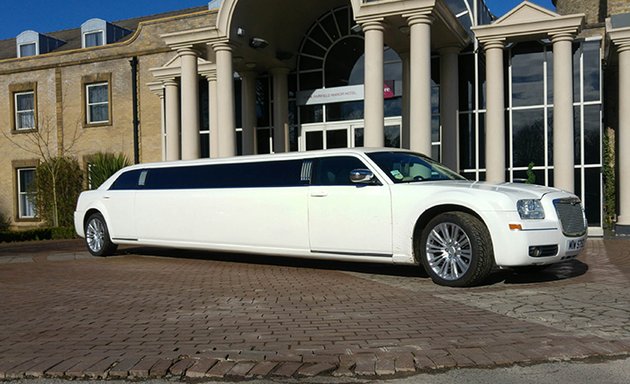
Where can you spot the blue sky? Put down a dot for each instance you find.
(53, 15)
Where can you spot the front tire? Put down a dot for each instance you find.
(97, 236)
(456, 250)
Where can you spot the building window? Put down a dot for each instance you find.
(26, 193)
(28, 50)
(93, 39)
(24, 110)
(97, 102)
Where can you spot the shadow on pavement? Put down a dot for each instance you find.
(556, 272)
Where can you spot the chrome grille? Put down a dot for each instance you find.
(571, 216)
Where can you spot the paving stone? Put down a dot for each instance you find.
(310, 370)
(286, 369)
(220, 369)
(60, 369)
(241, 369)
(261, 369)
(180, 367)
(200, 367)
(160, 368)
(365, 365)
(142, 368)
(121, 369)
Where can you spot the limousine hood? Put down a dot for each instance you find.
(514, 190)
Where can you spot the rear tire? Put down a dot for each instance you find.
(456, 250)
(97, 236)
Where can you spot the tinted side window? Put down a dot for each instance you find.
(127, 180)
(336, 170)
(244, 175)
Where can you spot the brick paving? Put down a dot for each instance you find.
(191, 315)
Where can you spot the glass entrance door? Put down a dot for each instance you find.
(346, 134)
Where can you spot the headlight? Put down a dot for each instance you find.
(530, 209)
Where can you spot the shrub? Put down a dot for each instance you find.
(37, 234)
(58, 184)
(4, 222)
(103, 166)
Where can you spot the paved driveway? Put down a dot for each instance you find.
(167, 313)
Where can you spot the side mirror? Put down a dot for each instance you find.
(361, 176)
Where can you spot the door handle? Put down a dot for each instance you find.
(319, 194)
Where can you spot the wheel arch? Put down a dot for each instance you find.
(89, 213)
(433, 212)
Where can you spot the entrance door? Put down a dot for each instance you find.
(346, 134)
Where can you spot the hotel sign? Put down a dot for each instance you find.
(341, 94)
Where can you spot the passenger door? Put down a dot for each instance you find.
(344, 217)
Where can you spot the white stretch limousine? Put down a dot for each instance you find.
(368, 205)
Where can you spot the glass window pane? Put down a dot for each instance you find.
(577, 54)
(93, 39)
(98, 93)
(314, 140)
(592, 196)
(337, 138)
(527, 75)
(528, 137)
(263, 104)
(592, 134)
(25, 120)
(393, 107)
(28, 50)
(392, 136)
(25, 101)
(350, 110)
(335, 170)
(358, 137)
(592, 64)
(311, 114)
(467, 144)
(263, 140)
(99, 113)
(466, 82)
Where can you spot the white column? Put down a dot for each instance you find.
(420, 83)
(405, 131)
(190, 104)
(281, 109)
(248, 102)
(213, 121)
(563, 152)
(623, 138)
(449, 106)
(495, 112)
(172, 120)
(225, 102)
(374, 132)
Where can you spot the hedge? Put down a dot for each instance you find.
(49, 233)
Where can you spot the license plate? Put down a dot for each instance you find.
(575, 245)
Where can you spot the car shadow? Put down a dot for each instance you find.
(294, 262)
(514, 276)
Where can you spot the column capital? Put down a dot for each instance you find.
(157, 88)
(623, 45)
(496, 43)
(221, 45)
(375, 24)
(210, 75)
(188, 51)
(562, 36)
(170, 82)
(419, 18)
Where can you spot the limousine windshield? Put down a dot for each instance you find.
(405, 167)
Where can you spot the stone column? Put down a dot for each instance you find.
(405, 131)
(449, 106)
(563, 151)
(420, 83)
(172, 120)
(213, 121)
(374, 132)
(248, 102)
(623, 138)
(190, 104)
(281, 109)
(495, 112)
(225, 102)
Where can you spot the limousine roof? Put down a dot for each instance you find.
(266, 157)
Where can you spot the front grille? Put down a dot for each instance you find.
(571, 216)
